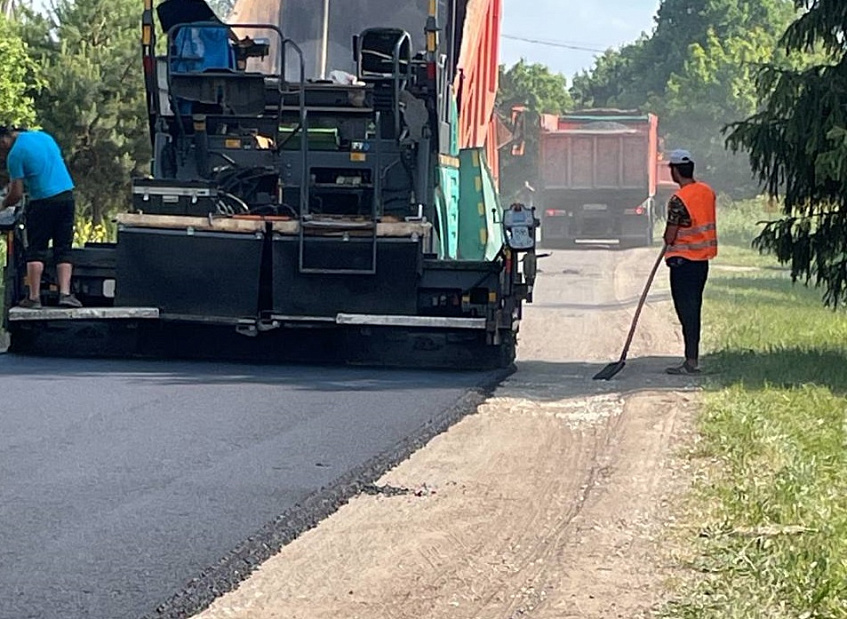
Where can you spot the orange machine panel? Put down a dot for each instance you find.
(477, 79)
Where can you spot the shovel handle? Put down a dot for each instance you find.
(641, 302)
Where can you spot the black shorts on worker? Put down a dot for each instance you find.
(50, 219)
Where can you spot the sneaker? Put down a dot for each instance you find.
(68, 300)
(28, 303)
(683, 370)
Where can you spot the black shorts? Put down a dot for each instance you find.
(48, 220)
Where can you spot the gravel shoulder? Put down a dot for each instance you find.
(550, 501)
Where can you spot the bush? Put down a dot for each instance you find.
(86, 231)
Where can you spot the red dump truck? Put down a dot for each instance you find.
(601, 172)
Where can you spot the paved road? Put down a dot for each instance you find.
(122, 481)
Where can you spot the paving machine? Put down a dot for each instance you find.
(323, 188)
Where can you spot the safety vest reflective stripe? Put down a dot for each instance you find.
(694, 246)
(684, 232)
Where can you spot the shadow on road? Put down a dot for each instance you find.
(545, 379)
(791, 367)
(600, 307)
(542, 381)
(199, 373)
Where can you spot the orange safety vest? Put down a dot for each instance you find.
(700, 240)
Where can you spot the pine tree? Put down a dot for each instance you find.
(798, 148)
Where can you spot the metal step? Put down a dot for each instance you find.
(19, 314)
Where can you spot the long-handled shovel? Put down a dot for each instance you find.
(611, 370)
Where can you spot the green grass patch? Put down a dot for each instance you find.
(766, 524)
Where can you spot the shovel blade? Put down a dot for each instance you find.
(610, 371)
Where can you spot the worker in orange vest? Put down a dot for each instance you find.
(692, 240)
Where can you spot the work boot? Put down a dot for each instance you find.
(683, 370)
(68, 300)
(28, 303)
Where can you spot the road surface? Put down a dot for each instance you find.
(549, 503)
(120, 482)
(123, 483)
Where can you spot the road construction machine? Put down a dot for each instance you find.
(323, 188)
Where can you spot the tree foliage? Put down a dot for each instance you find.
(798, 148)
(696, 70)
(93, 101)
(20, 79)
(540, 91)
(534, 86)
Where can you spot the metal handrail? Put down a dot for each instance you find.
(398, 47)
(348, 226)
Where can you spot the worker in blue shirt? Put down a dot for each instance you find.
(35, 165)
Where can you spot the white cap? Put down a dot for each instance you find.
(680, 156)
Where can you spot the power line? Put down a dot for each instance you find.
(559, 44)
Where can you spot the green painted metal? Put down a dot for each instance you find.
(447, 203)
(448, 191)
(480, 211)
(320, 139)
(468, 203)
(493, 213)
(454, 125)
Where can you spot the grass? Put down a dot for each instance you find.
(767, 519)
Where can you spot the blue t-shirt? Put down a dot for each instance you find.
(36, 159)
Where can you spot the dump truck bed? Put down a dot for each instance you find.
(599, 175)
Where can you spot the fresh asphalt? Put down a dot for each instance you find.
(144, 489)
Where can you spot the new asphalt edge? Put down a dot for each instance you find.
(238, 565)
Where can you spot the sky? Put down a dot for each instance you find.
(594, 24)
